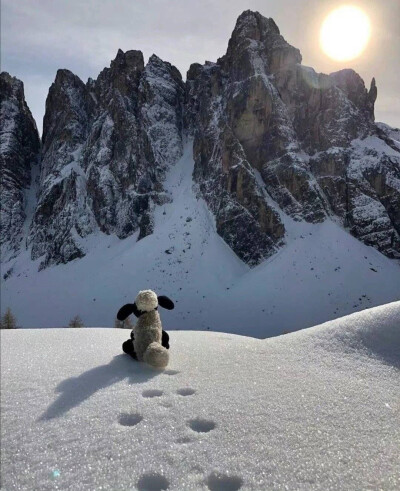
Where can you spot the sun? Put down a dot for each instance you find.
(345, 33)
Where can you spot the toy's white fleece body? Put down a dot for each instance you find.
(148, 332)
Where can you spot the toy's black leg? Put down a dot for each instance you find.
(128, 348)
(165, 339)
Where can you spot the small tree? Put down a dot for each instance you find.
(76, 322)
(8, 321)
(126, 324)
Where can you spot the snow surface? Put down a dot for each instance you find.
(322, 273)
(316, 409)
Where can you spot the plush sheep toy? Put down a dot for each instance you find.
(148, 343)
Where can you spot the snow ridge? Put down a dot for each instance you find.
(317, 409)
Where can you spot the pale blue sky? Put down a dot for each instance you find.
(40, 36)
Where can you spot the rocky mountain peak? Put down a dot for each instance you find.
(19, 153)
(274, 142)
(11, 86)
(106, 146)
(372, 95)
(255, 36)
(264, 126)
(253, 25)
(12, 92)
(353, 85)
(131, 60)
(67, 105)
(66, 77)
(156, 60)
(157, 65)
(123, 75)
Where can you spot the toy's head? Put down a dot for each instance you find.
(146, 301)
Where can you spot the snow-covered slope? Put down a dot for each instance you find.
(316, 409)
(322, 273)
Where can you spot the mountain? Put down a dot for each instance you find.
(317, 409)
(202, 188)
(19, 155)
(273, 136)
(106, 146)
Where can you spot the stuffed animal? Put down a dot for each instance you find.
(148, 343)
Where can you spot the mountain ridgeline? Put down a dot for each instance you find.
(272, 140)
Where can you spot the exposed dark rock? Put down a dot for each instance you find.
(273, 141)
(269, 130)
(19, 151)
(63, 214)
(106, 147)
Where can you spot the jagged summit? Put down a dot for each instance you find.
(253, 25)
(19, 153)
(131, 58)
(353, 85)
(105, 154)
(253, 31)
(268, 127)
(274, 143)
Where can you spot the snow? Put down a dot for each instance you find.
(369, 154)
(393, 133)
(316, 409)
(9, 111)
(161, 118)
(320, 274)
(30, 198)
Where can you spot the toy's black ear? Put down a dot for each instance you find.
(125, 311)
(165, 302)
(136, 311)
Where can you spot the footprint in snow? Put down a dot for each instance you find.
(201, 425)
(152, 481)
(171, 372)
(152, 393)
(221, 482)
(184, 439)
(127, 419)
(186, 391)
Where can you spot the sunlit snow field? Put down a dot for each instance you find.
(322, 273)
(315, 409)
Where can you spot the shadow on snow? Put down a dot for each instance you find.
(73, 391)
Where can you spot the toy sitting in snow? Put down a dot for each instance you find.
(148, 341)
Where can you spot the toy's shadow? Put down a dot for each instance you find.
(73, 391)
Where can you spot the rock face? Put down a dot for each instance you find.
(274, 142)
(106, 146)
(271, 135)
(19, 151)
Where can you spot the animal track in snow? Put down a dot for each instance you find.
(184, 439)
(171, 372)
(201, 425)
(126, 419)
(220, 482)
(186, 391)
(152, 481)
(152, 393)
(166, 404)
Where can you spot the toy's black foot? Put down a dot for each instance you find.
(128, 348)
(165, 339)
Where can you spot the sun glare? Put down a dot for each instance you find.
(345, 33)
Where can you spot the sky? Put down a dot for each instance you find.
(40, 36)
